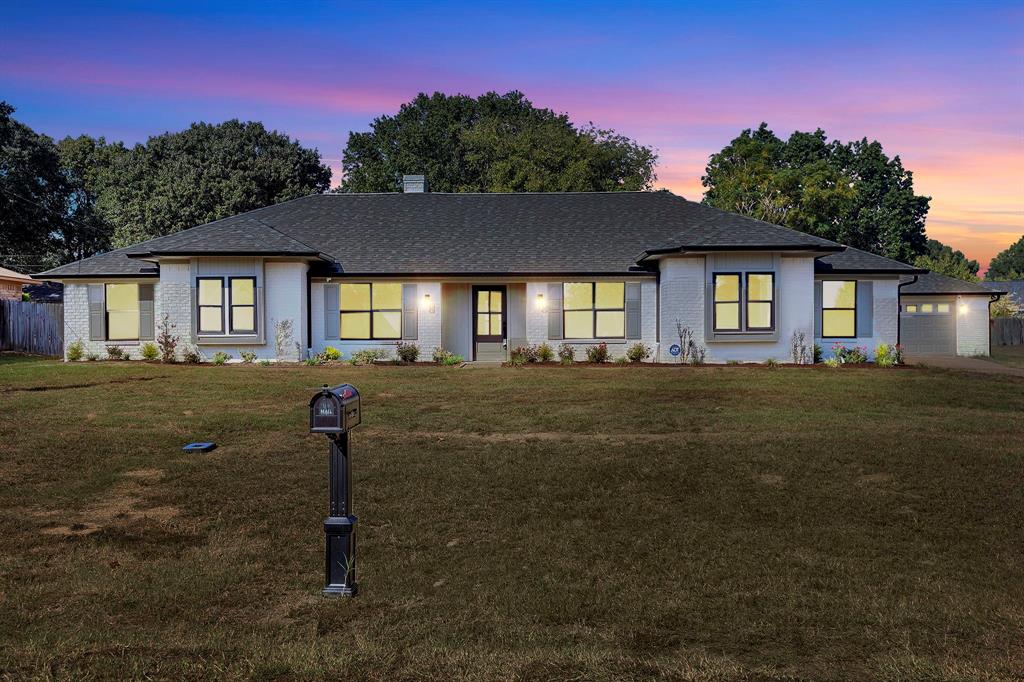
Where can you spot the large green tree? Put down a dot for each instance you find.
(1008, 263)
(178, 180)
(946, 261)
(492, 143)
(849, 192)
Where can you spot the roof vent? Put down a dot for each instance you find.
(414, 184)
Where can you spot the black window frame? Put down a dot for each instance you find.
(739, 303)
(594, 309)
(200, 306)
(106, 313)
(745, 296)
(232, 305)
(371, 310)
(823, 309)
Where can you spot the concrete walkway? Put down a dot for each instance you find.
(967, 364)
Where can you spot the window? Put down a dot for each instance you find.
(911, 308)
(839, 309)
(927, 308)
(488, 313)
(594, 310)
(122, 301)
(211, 305)
(942, 308)
(760, 295)
(727, 302)
(242, 314)
(371, 311)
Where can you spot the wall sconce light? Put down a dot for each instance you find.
(963, 308)
(427, 304)
(541, 303)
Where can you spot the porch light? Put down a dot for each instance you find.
(426, 303)
(541, 303)
(963, 308)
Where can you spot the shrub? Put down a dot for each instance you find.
(116, 353)
(598, 353)
(264, 363)
(92, 357)
(453, 360)
(191, 356)
(855, 355)
(817, 353)
(313, 361)
(638, 352)
(566, 353)
(220, 357)
(440, 355)
(732, 362)
(519, 356)
(330, 354)
(76, 350)
(149, 351)
(833, 362)
(368, 356)
(888, 355)
(167, 341)
(690, 352)
(622, 360)
(545, 353)
(771, 363)
(695, 353)
(408, 352)
(798, 350)
(248, 356)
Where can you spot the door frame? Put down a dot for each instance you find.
(504, 313)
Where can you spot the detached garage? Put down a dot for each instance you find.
(941, 315)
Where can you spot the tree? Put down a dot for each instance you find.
(1008, 263)
(207, 172)
(90, 166)
(492, 143)
(945, 261)
(851, 192)
(34, 194)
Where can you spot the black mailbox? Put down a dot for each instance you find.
(334, 410)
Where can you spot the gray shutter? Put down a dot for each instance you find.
(865, 309)
(194, 302)
(817, 309)
(554, 310)
(633, 310)
(97, 312)
(332, 311)
(147, 320)
(410, 312)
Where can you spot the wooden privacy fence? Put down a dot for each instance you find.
(1008, 331)
(32, 327)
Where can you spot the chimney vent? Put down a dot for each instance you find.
(414, 184)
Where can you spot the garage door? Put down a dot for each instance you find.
(928, 327)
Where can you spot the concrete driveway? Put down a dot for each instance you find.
(967, 364)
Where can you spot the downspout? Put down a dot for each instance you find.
(992, 299)
(899, 305)
(309, 313)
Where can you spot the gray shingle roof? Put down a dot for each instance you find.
(114, 263)
(854, 260)
(934, 283)
(434, 233)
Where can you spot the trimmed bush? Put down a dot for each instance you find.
(149, 351)
(369, 356)
(76, 351)
(191, 356)
(598, 353)
(408, 352)
(638, 352)
(220, 357)
(545, 353)
(116, 353)
(248, 356)
(888, 355)
(331, 354)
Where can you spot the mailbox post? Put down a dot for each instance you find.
(335, 412)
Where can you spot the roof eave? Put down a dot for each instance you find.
(816, 248)
(871, 271)
(142, 255)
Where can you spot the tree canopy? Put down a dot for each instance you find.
(1008, 263)
(492, 143)
(849, 192)
(945, 261)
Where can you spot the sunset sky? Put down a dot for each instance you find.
(942, 85)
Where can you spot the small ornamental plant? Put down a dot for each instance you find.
(566, 353)
(771, 363)
(887, 355)
(453, 360)
(116, 353)
(368, 356)
(331, 354)
(220, 357)
(545, 353)
(408, 352)
(166, 340)
(76, 351)
(846, 356)
(638, 352)
(149, 351)
(519, 356)
(440, 355)
(248, 356)
(598, 354)
(191, 356)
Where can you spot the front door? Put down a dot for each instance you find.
(489, 323)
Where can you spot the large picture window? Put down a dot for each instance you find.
(760, 297)
(839, 309)
(727, 302)
(371, 311)
(122, 309)
(594, 310)
(242, 312)
(211, 305)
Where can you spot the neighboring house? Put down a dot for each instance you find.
(479, 274)
(45, 292)
(1014, 289)
(11, 283)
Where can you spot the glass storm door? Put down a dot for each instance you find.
(489, 323)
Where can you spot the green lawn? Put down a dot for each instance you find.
(1012, 356)
(542, 523)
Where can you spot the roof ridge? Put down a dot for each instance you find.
(287, 236)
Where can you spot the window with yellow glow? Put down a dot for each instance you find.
(727, 302)
(489, 321)
(211, 305)
(594, 310)
(371, 311)
(243, 304)
(839, 309)
(760, 297)
(942, 308)
(122, 312)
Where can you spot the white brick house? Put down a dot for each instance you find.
(479, 274)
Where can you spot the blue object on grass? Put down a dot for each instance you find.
(199, 447)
